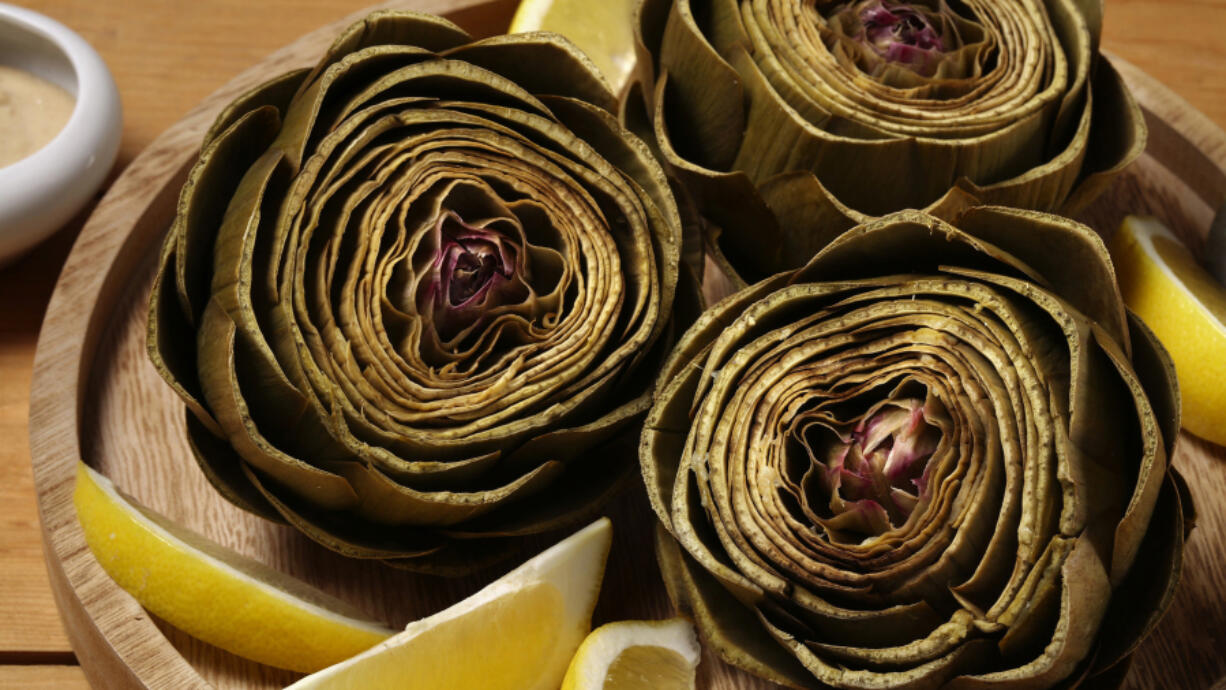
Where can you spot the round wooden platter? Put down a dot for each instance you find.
(96, 398)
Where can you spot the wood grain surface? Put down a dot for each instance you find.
(168, 56)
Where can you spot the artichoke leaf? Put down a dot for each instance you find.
(544, 63)
(224, 392)
(924, 459)
(223, 468)
(429, 280)
(723, 620)
(277, 92)
(887, 104)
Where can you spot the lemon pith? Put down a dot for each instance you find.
(518, 633)
(217, 596)
(1186, 309)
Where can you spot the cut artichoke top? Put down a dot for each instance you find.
(799, 119)
(413, 286)
(935, 456)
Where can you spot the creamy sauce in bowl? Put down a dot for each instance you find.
(32, 112)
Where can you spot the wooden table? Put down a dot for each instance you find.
(166, 57)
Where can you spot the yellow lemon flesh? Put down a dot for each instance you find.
(602, 29)
(636, 655)
(1186, 309)
(215, 594)
(518, 633)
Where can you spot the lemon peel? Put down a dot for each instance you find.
(214, 594)
(1183, 305)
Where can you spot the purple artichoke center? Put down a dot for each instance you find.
(873, 478)
(901, 34)
(474, 263)
(474, 270)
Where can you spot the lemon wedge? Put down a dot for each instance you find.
(1186, 309)
(518, 633)
(636, 655)
(215, 594)
(603, 29)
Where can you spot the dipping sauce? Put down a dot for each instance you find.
(32, 112)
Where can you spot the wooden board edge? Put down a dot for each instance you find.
(1180, 136)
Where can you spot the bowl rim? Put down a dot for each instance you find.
(55, 180)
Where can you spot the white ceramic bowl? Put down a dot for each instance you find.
(41, 192)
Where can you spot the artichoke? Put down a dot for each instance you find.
(414, 296)
(933, 456)
(789, 122)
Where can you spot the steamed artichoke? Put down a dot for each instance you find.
(933, 456)
(790, 121)
(413, 296)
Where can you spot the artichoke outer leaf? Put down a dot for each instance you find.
(1082, 589)
(223, 468)
(234, 245)
(1120, 137)
(707, 94)
(723, 621)
(728, 200)
(635, 115)
(668, 557)
(387, 502)
(681, 375)
(173, 356)
(544, 63)
(1072, 30)
(587, 486)
(906, 242)
(391, 27)
(1145, 589)
(1043, 186)
(815, 217)
(932, 674)
(303, 117)
(205, 197)
(1156, 371)
(339, 532)
(1092, 13)
(276, 92)
(296, 427)
(650, 19)
(200, 214)
(459, 558)
(678, 379)
(1131, 528)
(1099, 364)
(225, 394)
(1072, 260)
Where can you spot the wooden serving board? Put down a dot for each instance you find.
(95, 397)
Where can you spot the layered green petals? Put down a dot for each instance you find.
(931, 457)
(880, 105)
(412, 295)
